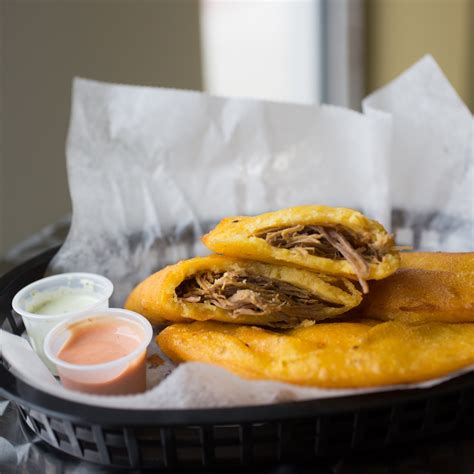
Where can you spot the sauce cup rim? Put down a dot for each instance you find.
(99, 313)
(109, 289)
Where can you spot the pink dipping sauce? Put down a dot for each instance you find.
(102, 340)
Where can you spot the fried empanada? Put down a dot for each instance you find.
(457, 262)
(330, 240)
(428, 287)
(415, 295)
(331, 355)
(241, 291)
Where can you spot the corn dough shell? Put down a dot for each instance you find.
(455, 262)
(328, 355)
(422, 293)
(235, 236)
(155, 297)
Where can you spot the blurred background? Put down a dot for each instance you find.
(305, 51)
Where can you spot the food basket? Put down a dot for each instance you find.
(296, 432)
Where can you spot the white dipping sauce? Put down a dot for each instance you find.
(60, 301)
(46, 302)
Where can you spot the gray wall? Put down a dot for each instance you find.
(44, 44)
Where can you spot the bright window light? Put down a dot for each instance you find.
(262, 49)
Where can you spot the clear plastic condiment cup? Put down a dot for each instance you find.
(125, 375)
(92, 292)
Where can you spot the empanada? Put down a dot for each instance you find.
(428, 287)
(241, 291)
(457, 262)
(331, 355)
(324, 239)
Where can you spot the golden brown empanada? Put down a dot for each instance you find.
(241, 291)
(428, 287)
(331, 355)
(457, 262)
(329, 240)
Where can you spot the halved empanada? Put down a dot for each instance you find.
(241, 291)
(324, 239)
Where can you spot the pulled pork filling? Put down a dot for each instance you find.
(336, 243)
(243, 294)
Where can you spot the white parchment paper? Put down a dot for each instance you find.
(150, 170)
(191, 385)
(432, 158)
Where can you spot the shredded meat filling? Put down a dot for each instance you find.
(336, 243)
(242, 294)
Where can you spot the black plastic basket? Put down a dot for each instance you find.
(298, 432)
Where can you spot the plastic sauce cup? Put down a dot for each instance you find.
(124, 375)
(46, 302)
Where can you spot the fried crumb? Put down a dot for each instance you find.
(154, 361)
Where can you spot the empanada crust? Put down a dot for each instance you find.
(329, 355)
(235, 236)
(417, 294)
(156, 298)
(456, 262)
